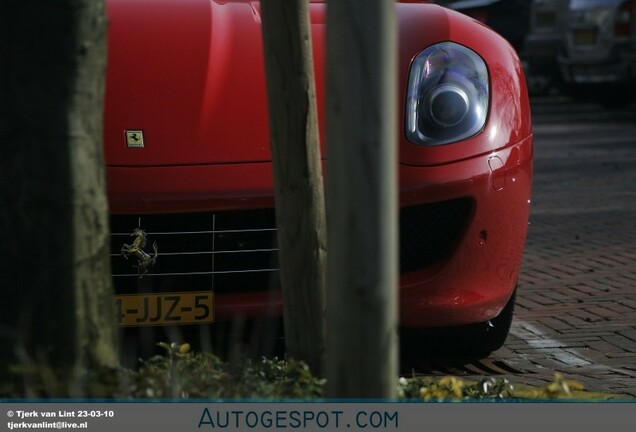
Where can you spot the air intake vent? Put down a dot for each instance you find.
(429, 232)
(235, 252)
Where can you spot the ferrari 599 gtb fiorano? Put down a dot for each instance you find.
(189, 168)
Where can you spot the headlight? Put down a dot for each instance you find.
(447, 95)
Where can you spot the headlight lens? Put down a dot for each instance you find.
(447, 95)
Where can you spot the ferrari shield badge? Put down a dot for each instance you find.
(145, 260)
(135, 138)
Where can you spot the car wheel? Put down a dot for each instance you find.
(616, 98)
(611, 96)
(467, 342)
(578, 92)
(490, 336)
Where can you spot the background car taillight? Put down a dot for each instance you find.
(447, 95)
(623, 18)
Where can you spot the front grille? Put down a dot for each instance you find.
(234, 252)
(224, 252)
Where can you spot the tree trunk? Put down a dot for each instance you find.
(56, 288)
(300, 213)
(361, 199)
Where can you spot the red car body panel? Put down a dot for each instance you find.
(190, 74)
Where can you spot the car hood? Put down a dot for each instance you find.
(189, 75)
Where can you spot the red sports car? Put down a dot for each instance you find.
(190, 175)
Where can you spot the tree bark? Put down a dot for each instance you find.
(54, 235)
(300, 212)
(362, 199)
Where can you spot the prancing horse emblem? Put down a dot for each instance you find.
(144, 259)
(135, 138)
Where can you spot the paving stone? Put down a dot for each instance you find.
(629, 333)
(605, 347)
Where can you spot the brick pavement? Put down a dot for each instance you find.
(576, 310)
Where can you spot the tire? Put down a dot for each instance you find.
(616, 98)
(492, 334)
(610, 96)
(469, 342)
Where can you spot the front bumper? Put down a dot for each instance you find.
(629, 59)
(615, 69)
(476, 280)
(463, 228)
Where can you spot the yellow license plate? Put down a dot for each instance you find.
(546, 19)
(585, 37)
(165, 308)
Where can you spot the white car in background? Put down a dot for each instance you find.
(597, 38)
(543, 44)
